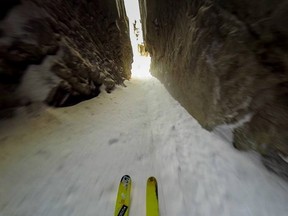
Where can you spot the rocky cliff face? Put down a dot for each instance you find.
(223, 60)
(61, 51)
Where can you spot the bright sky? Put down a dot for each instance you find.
(132, 9)
(133, 13)
(141, 64)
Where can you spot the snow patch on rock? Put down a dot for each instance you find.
(38, 81)
(226, 130)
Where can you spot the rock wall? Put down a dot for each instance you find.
(61, 51)
(223, 60)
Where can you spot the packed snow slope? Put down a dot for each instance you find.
(69, 161)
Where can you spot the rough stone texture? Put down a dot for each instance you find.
(224, 59)
(6, 6)
(89, 39)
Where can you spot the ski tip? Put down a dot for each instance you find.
(126, 177)
(152, 179)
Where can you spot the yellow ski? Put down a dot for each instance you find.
(123, 197)
(152, 208)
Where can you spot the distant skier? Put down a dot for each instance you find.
(134, 25)
(136, 30)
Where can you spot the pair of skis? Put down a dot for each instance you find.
(123, 197)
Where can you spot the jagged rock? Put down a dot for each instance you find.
(24, 53)
(223, 60)
(82, 35)
(276, 163)
(109, 84)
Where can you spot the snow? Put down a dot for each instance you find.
(226, 130)
(69, 161)
(39, 77)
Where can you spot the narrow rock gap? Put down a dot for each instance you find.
(141, 58)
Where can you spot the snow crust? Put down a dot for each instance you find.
(69, 161)
(38, 80)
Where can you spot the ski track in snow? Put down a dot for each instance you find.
(69, 161)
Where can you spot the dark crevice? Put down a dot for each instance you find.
(6, 6)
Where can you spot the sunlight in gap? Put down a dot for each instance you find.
(141, 62)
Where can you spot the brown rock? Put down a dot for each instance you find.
(222, 60)
(84, 33)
